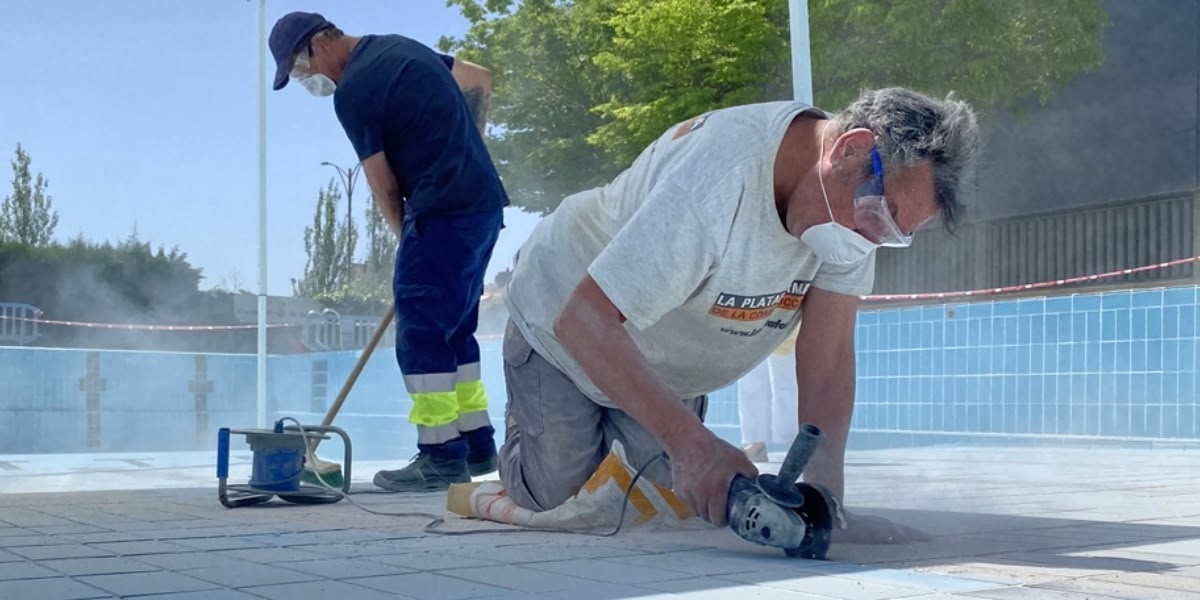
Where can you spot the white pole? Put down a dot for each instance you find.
(262, 214)
(802, 87)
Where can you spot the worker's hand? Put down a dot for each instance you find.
(702, 471)
(868, 529)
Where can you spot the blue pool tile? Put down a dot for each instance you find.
(1005, 308)
(1031, 306)
(1123, 384)
(979, 310)
(1170, 389)
(1087, 302)
(1187, 321)
(1170, 322)
(1154, 420)
(1037, 329)
(868, 317)
(1063, 364)
(1154, 355)
(1180, 296)
(1187, 422)
(1154, 323)
(1051, 329)
(1137, 357)
(889, 316)
(1108, 325)
(1124, 322)
(1115, 300)
(1136, 416)
(1091, 326)
(1058, 305)
(910, 315)
(933, 313)
(1078, 358)
(1147, 298)
(1137, 324)
(1066, 332)
(1170, 356)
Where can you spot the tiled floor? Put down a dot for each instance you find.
(1037, 523)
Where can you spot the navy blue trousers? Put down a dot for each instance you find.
(438, 280)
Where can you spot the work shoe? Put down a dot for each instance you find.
(426, 473)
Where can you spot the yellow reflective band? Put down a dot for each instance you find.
(471, 396)
(433, 409)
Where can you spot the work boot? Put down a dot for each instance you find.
(481, 459)
(434, 468)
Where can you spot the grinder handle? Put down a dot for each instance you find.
(800, 453)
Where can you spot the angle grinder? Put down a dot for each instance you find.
(776, 511)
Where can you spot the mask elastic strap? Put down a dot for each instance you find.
(820, 170)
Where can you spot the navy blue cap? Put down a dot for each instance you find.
(289, 33)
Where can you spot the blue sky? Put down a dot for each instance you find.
(145, 112)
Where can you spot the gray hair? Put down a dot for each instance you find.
(911, 128)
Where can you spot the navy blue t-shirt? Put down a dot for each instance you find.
(397, 95)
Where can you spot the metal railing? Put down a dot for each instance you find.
(18, 325)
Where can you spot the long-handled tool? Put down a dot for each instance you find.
(331, 472)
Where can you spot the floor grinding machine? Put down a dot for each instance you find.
(279, 456)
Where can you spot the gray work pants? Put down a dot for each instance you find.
(556, 436)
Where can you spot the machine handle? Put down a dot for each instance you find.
(223, 453)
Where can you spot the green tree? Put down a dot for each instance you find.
(27, 216)
(324, 243)
(581, 86)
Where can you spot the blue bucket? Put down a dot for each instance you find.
(277, 469)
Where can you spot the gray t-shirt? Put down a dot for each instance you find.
(688, 244)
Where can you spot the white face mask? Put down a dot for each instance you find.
(319, 85)
(833, 242)
(316, 84)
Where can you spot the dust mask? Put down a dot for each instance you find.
(833, 242)
(318, 85)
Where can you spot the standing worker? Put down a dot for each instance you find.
(415, 118)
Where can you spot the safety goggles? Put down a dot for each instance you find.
(872, 214)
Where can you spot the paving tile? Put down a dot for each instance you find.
(607, 570)
(715, 562)
(428, 586)
(6, 556)
(159, 582)
(271, 555)
(523, 579)
(934, 582)
(13, 531)
(16, 541)
(595, 590)
(59, 551)
(1189, 547)
(708, 588)
(432, 561)
(23, 517)
(1096, 587)
(345, 568)
(187, 560)
(138, 548)
(217, 543)
(828, 585)
(97, 566)
(104, 537)
(247, 574)
(1167, 581)
(24, 570)
(73, 528)
(49, 589)
(320, 590)
(205, 595)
